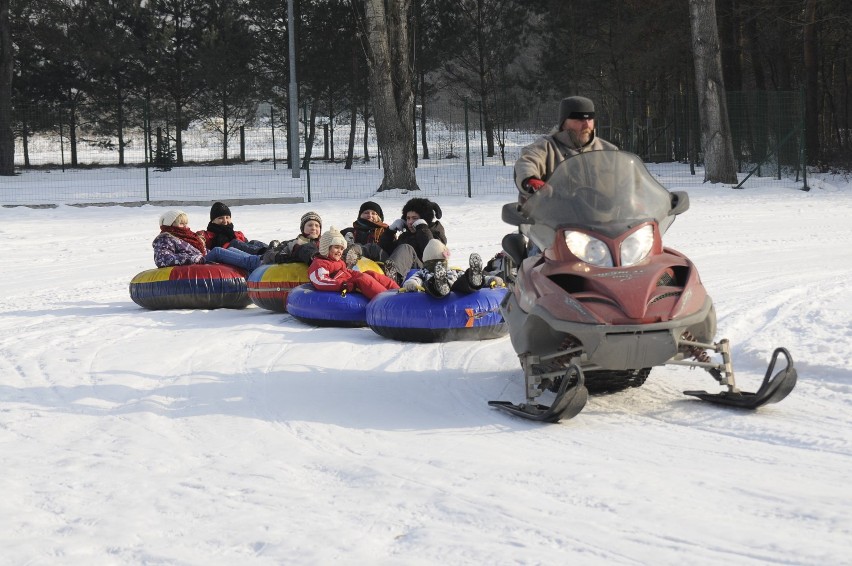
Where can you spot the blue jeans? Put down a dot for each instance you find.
(237, 258)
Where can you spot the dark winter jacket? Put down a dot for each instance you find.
(364, 232)
(417, 239)
(220, 236)
(300, 248)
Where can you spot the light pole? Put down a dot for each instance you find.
(293, 131)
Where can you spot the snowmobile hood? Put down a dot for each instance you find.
(607, 191)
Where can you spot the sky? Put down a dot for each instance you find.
(184, 437)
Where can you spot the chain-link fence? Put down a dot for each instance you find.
(139, 152)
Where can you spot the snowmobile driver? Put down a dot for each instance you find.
(574, 134)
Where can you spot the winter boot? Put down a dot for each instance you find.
(474, 274)
(439, 284)
(351, 255)
(392, 271)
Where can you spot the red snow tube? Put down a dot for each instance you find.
(200, 286)
(420, 317)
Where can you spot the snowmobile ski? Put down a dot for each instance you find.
(773, 389)
(570, 400)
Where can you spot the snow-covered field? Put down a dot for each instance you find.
(244, 437)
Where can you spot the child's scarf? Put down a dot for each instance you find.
(187, 236)
(223, 234)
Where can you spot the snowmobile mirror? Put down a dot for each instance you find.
(680, 202)
(512, 215)
(515, 246)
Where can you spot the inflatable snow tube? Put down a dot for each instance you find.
(420, 317)
(327, 308)
(200, 286)
(270, 285)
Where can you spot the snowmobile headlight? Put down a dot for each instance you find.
(637, 246)
(591, 250)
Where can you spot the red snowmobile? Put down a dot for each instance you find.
(605, 302)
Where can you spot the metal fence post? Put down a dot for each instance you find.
(307, 161)
(481, 135)
(467, 147)
(272, 126)
(803, 146)
(146, 132)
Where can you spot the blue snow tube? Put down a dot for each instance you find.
(420, 317)
(327, 308)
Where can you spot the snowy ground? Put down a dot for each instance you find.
(244, 437)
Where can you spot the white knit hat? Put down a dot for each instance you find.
(168, 217)
(435, 249)
(331, 238)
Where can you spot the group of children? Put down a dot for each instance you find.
(414, 241)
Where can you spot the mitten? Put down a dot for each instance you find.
(532, 184)
(398, 225)
(418, 222)
(412, 285)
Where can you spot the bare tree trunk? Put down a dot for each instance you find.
(424, 140)
(811, 61)
(120, 128)
(366, 132)
(719, 164)
(7, 137)
(312, 136)
(350, 149)
(225, 131)
(178, 132)
(391, 89)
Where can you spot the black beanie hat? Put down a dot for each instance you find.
(219, 209)
(425, 208)
(577, 107)
(370, 205)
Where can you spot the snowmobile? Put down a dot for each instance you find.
(596, 301)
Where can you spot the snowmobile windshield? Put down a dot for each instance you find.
(605, 190)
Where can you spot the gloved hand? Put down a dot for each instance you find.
(412, 285)
(532, 184)
(418, 222)
(398, 225)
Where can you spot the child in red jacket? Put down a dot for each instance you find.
(328, 271)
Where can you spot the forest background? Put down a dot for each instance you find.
(110, 64)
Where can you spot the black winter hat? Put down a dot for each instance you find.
(425, 208)
(576, 107)
(219, 209)
(370, 205)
